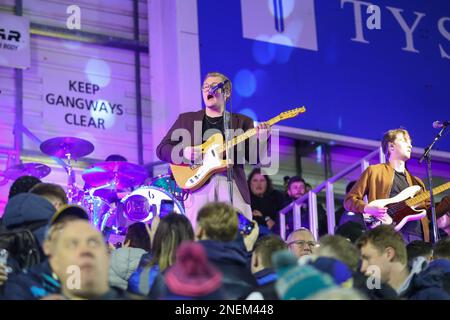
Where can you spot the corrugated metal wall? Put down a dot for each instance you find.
(55, 61)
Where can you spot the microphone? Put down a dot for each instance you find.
(218, 86)
(440, 124)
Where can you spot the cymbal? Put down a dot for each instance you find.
(37, 170)
(60, 146)
(121, 174)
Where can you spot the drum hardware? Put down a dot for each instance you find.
(68, 148)
(34, 169)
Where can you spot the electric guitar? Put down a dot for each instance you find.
(401, 208)
(192, 177)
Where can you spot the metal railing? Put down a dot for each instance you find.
(295, 206)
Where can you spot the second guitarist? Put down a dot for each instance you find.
(216, 91)
(383, 181)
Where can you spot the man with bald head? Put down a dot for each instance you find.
(301, 242)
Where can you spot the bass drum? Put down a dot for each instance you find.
(144, 203)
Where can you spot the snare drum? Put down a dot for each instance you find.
(144, 203)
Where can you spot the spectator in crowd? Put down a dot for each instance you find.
(351, 230)
(441, 249)
(444, 225)
(22, 184)
(54, 193)
(297, 282)
(418, 248)
(27, 211)
(262, 267)
(301, 242)
(171, 231)
(192, 276)
(81, 250)
(343, 216)
(339, 248)
(217, 231)
(296, 189)
(343, 250)
(125, 260)
(265, 201)
(384, 248)
(39, 281)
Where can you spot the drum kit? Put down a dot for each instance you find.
(116, 193)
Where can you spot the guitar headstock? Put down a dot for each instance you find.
(292, 113)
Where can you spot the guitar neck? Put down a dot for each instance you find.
(247, 134)
(425, 195)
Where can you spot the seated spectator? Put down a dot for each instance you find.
(217, 227)
(301, 242)
(54, 193)
(296, 189)
(297, 282)
(80, 260)
(418, 248)
(343, 250)
(125, 260)
(192, 276)
(262, 267)
(444, 225)
(171, 231)
(39, 281)
(339, 248)
(385, 249)
(441, 249)
(265, 201)
(31, 212)
(22, 184)
(351, 230)
(343, 216)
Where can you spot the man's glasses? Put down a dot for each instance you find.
(302, 243)
(208, 86)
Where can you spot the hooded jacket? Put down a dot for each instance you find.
(124, 261)
(231, 260)
(26, 208)
(429, 284)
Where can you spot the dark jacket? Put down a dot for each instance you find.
(32, 284)
(186, 121)
(231, 259)
(430, 283)
(384, 292)
(26, 208)
(266, 280)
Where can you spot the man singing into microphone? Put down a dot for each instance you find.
(386, 180)
(216, 91)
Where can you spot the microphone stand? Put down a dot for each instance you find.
(426, 155)
(227, 119)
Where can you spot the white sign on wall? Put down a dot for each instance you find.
(286, 22)
(14, 41)
(72, 102)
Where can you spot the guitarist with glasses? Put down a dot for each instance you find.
(191, 129)
(387, 180)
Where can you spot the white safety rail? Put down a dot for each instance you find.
(311, 197)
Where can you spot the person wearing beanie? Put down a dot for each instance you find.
(298, 282)
(193, 276)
